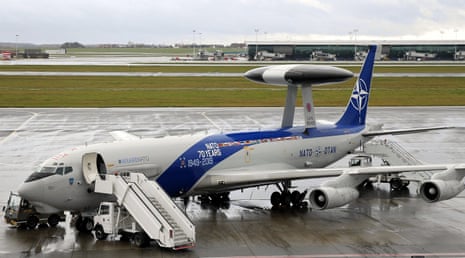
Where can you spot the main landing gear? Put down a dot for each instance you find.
(216, 200)
(286, 199)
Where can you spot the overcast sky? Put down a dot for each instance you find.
(228, 21)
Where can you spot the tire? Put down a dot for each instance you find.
(286, 199)
(88, 225)
(141, 239)
(100, 233)
(396, 183)
(275, 199)
(78, 223)
(85, 225)
(295, 198)
(53, 220)
(32, 222)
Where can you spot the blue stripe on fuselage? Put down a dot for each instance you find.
(192, 165)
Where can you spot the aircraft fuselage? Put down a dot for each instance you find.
(183, 165)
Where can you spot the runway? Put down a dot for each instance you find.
(379, 224)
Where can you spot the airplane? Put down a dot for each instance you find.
(214, 164)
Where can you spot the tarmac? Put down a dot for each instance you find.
(379, 224)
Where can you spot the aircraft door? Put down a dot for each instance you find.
(93, 165)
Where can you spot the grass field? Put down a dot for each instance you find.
(58, 91)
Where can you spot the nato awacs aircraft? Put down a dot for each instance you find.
(215, 164)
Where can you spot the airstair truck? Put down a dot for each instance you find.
(143, 212)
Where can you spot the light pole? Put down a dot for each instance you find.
(200, 41)
(256, 43)
(16, 47)
(193, 44)
(355, 43)
(455, 44)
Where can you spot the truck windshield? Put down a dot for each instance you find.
(14, 201)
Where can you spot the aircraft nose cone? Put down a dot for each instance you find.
(28, 191)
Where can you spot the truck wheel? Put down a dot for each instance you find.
(32, 222)
(99, 233)
(53, 220)
(141, 239)
(84, 225)
(87, 224)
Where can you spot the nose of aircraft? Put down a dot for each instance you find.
(30, 191)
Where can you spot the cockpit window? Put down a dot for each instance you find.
(59, 171)
(68, 170)
(46, 171)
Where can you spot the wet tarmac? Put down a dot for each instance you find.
(381, 223)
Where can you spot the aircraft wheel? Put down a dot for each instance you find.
(396, 183)
(295, 198)
(286, 199)
(275, 199)
(53, 220)
(100, 233)
(141, 239)
(32, 222)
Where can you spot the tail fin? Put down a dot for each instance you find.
(356, 109)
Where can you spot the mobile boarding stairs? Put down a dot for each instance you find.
(150, 207)
(392, 154)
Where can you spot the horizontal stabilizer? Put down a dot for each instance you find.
(123, 136)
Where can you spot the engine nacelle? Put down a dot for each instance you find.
(438, 190)
(329, 197)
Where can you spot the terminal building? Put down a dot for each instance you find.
(350, 50)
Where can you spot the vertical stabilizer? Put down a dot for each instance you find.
(356, 110)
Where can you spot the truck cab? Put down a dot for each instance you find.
(19, 212)
(113, 219)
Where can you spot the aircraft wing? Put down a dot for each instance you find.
(230, 179)
(403, 131)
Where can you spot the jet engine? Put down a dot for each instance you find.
(329, 197)
(440, 190)
(444, 185)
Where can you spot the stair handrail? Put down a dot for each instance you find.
(144, 199)
(187, 223)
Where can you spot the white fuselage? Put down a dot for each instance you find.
(183, 165)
